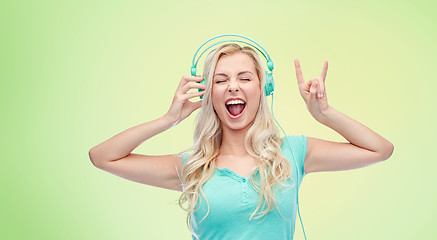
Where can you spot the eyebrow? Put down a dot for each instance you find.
(240, 73)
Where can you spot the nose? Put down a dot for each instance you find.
(233, 86)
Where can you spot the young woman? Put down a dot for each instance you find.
(241, 179)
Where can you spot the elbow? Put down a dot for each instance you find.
(92, 157)
(388, 151)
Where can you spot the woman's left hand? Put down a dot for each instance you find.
(313, 91)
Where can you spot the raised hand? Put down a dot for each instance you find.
(182, 107)
(313, 91)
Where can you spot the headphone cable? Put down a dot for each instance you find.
(297, 169)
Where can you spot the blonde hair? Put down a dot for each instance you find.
(262, 141)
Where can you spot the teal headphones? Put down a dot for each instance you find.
(268, 88)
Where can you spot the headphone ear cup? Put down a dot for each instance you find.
(204, 83)
(270, 86)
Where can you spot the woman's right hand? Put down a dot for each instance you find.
(182, 107)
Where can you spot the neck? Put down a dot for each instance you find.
(233, 142)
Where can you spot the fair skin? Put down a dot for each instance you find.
(364, 146)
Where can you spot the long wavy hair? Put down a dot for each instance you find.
(262, 141)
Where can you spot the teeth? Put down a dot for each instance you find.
(234, 102)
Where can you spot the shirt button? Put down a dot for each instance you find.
(244, 180)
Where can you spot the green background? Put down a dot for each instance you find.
(75, 73)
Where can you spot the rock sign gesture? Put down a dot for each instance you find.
(313, 91)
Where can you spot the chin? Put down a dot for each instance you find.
(238, 126)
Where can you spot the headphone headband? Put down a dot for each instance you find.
(263, 52)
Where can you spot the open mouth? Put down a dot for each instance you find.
(235, 107)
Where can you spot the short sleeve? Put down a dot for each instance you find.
(295, 147)
(184, 158)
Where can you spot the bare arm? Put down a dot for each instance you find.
(114, 155)
(122, 144)
(365, 147)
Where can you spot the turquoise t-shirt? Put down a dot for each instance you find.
(232, 200)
